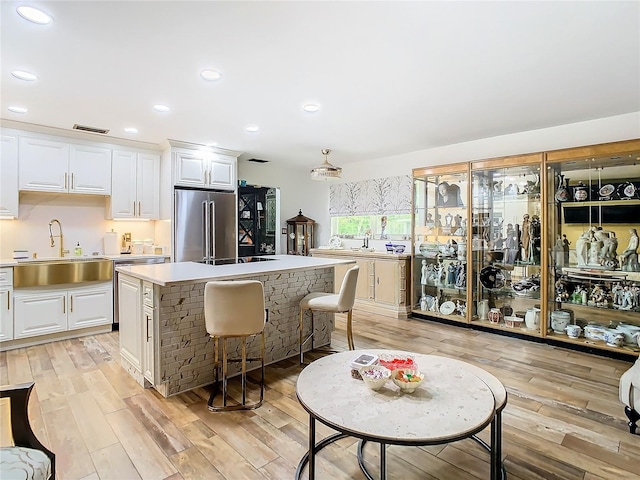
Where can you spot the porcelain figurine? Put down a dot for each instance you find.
(629, 258)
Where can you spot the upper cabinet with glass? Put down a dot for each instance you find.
(594, 218)
(440, 226)
(506, 242)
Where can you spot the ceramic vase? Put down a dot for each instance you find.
(483, 309)
(573, 331)
(560, 320)
(495, 315)
(532, 319)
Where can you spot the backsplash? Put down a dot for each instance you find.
(83, 220)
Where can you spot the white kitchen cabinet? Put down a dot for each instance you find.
(149, 350)
(9, 176)
(50, 310)
(135, 191)
(39, 312)
(90, 306)
(205, 170)
(130, 317)
(6, 303)
(46, 165)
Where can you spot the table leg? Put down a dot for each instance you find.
(496, 448)
(383, 461)
(312, 448)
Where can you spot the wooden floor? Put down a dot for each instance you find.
(563, 419)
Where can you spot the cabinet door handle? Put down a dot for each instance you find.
(134, 208)
(139, 208)
(147, 317)
(73, 183)
(65, 180)
(71, 304)
(8, 300)
(377, 280)
(64, 304)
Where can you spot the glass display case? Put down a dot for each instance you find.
(506, 235)
(594, 218)
(300, 234)
(440, 226)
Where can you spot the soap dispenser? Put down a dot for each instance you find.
(78, 250)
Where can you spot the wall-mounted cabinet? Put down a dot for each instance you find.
(201, 169)
(551, 245)
(9, 176)
(440, 256)
(135, 191)
(56, 166)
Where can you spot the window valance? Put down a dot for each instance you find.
(380, 196)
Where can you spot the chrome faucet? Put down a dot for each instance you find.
(52, 236)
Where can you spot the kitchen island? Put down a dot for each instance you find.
(163, 339)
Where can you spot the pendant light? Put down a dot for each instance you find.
(326, 171)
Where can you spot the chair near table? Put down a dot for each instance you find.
(27, 457)
(341, 302)
(234, 309)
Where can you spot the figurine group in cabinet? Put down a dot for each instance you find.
(621, 295)
(521, 244)
(450, 275)
(597, 247)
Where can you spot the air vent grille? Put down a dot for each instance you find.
(257, 160)
(85, 128)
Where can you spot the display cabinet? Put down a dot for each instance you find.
(506, 243)
(593, 213)
(440, 257)
(300, 234)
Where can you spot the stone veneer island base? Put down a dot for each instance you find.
(163, 338)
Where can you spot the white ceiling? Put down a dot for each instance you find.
(390, 77)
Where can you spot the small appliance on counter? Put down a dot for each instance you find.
(126, 243)
(111, 243)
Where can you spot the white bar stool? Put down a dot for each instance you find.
(341, 302)
(234, 309)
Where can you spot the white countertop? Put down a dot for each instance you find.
(168, 273)
(10, 262)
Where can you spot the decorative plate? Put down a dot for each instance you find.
(492, 277)
(335, 242)
(447, 308)
(607, 190)
(627, 190)
(580, 194)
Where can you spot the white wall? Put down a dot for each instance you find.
(82, 218)
(297, 192)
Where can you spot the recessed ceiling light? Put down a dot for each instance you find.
(17, 109)
(131, 130)
(311, 108)
(210, 75)
(34, 15)
(22, 75)
(252, 128)
(161, 108)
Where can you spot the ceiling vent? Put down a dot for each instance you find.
(257, 160)
(84, 128)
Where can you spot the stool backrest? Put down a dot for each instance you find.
(347, 294)
(233, 308)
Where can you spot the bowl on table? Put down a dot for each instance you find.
(375, 376)
(407, 380)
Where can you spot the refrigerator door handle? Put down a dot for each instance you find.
(205, 230)
(210, 230)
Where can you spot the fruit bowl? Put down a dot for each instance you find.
(407, 380)
(375, 376)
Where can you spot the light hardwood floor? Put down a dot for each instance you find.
(563, 419)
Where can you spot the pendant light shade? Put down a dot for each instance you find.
(326, 171)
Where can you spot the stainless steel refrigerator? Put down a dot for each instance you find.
(204, 226)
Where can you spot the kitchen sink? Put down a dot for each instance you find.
(42, 273)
